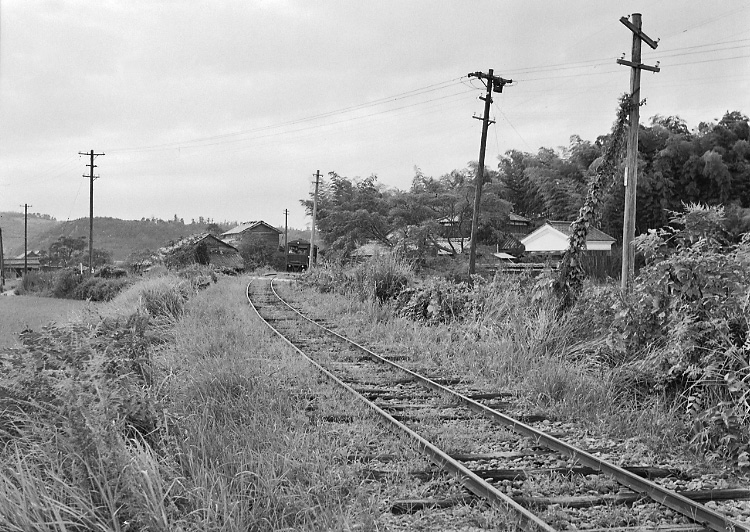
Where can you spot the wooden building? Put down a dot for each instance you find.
(220, 254)
(258, 229)
(14, 267)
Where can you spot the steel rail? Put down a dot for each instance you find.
(679, 503)
(468, 479)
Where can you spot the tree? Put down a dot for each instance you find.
(63, 251)
(352, 212)
(258, 252)
(214, 229)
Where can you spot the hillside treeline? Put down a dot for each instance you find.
(709, 164)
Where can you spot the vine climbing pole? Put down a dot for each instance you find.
(631, 161)
(570, 275)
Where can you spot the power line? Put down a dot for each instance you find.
(380, 101)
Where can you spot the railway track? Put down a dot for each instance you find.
(521, 461)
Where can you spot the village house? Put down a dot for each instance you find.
(220, 254)
(553, 238)
(258, 229)
(14, 266)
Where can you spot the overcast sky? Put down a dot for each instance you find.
(225, 109)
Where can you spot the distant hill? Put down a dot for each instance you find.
(12, 226)
(119, 237)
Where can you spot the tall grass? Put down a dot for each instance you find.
(503, 337)
(379, 278)
(247, 453)
(229, 446)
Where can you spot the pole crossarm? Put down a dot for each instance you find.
(497, 83)
(638, 65)
(639, 33)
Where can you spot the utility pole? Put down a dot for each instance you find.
(2, 262)
(495, 84)
(286, 240)
(91, 176)
(317, 175)
(25, 238)
(631, 160)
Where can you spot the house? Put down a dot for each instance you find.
(517, 225)
(258, 229)
(13, 267)
(553, 238)
(220, 254)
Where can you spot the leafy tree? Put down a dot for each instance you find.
(352, 212)
(214, 229)
(65, 249)
(258, 252)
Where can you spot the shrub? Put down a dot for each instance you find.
(686, 324)
(165, 298)
(40, 283)
(67, 280)
(99, 289)
(435, 301)
(380, 278)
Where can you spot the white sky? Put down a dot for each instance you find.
(225, 109)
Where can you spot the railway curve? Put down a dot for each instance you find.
(346, 363)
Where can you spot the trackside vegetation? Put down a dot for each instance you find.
(669, 362)
(171, 409)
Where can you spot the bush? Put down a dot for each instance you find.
(685, 325)
(99, 289)
(436, 301)
(380, 278)
(67, 280)
(39, 283)
(165, 297)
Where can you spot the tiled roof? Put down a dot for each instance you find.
(508, 241)
(248, 225)
(517, 218)
(593, 234)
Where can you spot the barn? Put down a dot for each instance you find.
(258, 229)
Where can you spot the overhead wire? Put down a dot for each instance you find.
(379, 101)
(321, 120)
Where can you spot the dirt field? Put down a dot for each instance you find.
(26, 312)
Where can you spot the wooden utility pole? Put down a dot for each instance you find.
(91, 176)
(631, 160)
(25, 238)
(286, 240)
(495, 84)
(2, 262)
(317, 175)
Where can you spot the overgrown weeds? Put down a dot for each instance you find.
(380, 278)
(680, 341)
(69, 283)
(105, 427)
